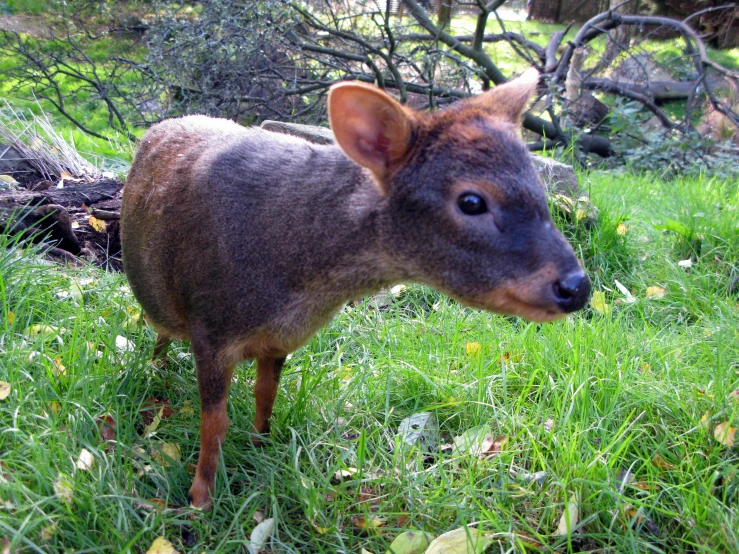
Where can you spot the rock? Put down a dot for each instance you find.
(557, 177)
(312, 133)
(13, 162)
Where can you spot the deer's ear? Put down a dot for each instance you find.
(510, 99)
(372, 128)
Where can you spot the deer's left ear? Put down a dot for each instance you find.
(510, 99)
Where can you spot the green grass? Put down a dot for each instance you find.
(620, 389)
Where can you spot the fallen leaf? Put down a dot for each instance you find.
(549, 425)
(97, 224)
(491, 446)
(56, 408)
(107, 427)
(398, 291)
(166, 453)
(465, 540)
(725, 434)
(85, 460)
(187, 408)
(367, 525)
(656, 292)
(621, 229)
(598, 302)
(321, 530)
(63, 489)
(5, 545)
(58, 368)
(472, 348)
(123, 344)
(261, 534)
(4, 390)
(66, 175)
(75, 225)
(661, 463)
(628, 297)
(685, 264)
(9, 180)
(258, 517)
(570, 517)
(161, 546)
(11, 318)
(48, 532)
(342, 474)
(45, 331)
(410, 542)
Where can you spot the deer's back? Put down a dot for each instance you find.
(231, 228)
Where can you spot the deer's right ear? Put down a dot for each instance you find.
(371, 127)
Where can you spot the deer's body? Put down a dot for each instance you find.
(246, 242)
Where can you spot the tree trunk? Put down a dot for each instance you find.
(544, 10)
(580, 10)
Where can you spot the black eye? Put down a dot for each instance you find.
(472, 204)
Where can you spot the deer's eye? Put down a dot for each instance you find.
(472, 204)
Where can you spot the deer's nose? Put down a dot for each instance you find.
(572, 291)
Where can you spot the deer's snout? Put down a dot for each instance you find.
(572, 291)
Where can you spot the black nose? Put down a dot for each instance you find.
(572, 291)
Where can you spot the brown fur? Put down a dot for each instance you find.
(246, 242)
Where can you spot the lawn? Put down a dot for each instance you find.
(614, 409)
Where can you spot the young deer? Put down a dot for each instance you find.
(246, 242)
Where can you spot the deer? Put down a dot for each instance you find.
(246, 242)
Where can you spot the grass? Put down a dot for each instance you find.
(624, 390)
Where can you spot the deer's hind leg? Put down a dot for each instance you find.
(265, 392)
(214, 369)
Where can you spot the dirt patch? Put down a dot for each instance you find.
(34, 26)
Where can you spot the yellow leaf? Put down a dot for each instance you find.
(167, 453)
(4, 390)
(48, 532)
(58, 369)
(66, 175)
(56, 408)
(570, 516)
(473, 348)
(465, 540)
(75, 225)
(161, 546)
(321, 530)
(11, 318)
(621, 229)
(725, 434)
(187, 408)
(97, 224)
(656, 292)
(63, 489)
(598, 302)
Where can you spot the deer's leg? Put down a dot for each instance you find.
(159, 355)
(214, 378)
(265, 391)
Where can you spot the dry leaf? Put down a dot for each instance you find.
(725, 434)
(48, 532)
(342, 474)
(656, 292)
(261, 534)
(161, 546)
(11, 318)
(56, 408)
(661, 463)
(570, 516)
(628, 297)
(367, 525)
(621, 229)
(410, 542)
(598, 302)
(398, 291)
(685, 264)
(85, 461)
(320, 530)
(4, 390)
(75, 225)
(465, 540)
(66, 175)
(63, 489)
(167, 453)
(9, 180)
(123, 344)
(97, 224)
(472, 348)
(187, 408)
(107, 427)
(491, 446)
(58, 368)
